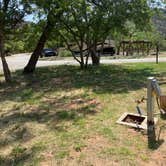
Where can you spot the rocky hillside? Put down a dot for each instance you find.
(160, 23)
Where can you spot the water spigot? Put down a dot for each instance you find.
(141, 100)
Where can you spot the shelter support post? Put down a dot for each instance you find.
(150, 112)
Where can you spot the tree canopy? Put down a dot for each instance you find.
(12, 13)
(89, 22)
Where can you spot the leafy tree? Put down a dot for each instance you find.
(12, 13)
(15, 42)
(88, 23)
(52, 11)
(31, 35)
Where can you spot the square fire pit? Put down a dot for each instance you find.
(134, 120)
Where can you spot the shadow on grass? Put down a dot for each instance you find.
(33, 90)
(56, 109)
(104, 79)
(155, 145)
(53, 112)
(20, 155)
(163, 116)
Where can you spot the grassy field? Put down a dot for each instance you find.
(64, 116)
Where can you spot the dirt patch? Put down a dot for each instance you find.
(80, 103)
(62, 82)
(89, 153)
(158, 158)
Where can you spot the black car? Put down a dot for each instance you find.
(107, 51)
(47, 52)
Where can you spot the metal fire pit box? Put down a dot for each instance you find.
(134, 120)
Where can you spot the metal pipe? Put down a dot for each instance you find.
(150, 113)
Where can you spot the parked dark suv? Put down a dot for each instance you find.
(109, 50)
(47, 52)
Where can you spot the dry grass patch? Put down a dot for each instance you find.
(64, 116)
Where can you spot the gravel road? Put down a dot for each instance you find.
(19, 61)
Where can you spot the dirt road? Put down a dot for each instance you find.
(20, 60)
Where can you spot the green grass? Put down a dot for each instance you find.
(66, 116)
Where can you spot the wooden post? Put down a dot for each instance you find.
(143, 48)
(123, 49)
(119, 47)
(148, 48)
(157, 53)
(150, 113)
(138, 47)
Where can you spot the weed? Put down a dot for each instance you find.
(62, 154)
(79, 146)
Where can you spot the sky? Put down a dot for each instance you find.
(31, 17)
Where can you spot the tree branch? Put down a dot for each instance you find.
(68, 46)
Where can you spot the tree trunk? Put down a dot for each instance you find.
(4, 63)
(82, 61)
(82, 55)
(30, 67)
(118, 49)
(95, 57)
(86, 61)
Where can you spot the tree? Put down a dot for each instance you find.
(87, 23)
(72, 29)
(52, 10)
(12, 13)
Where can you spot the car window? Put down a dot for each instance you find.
(48, 49)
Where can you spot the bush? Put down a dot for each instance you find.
(64, 53)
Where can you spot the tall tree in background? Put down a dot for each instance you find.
(12, 13)
(118, 13)
(52, 11)
(72, 29)
(88, 23)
